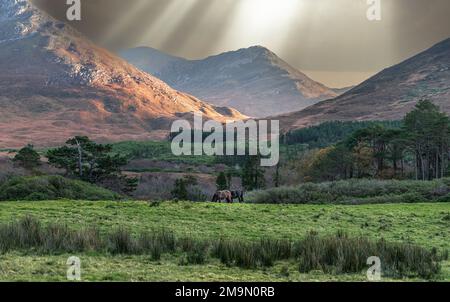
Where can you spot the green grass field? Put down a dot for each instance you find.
(427, 225)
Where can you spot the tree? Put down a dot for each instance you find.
(92, 162)
(86, 159)
(253, 174)
(180, 191)
(28, 158)
(277, 176)
(222, 182)
(363, 158)
(374, 137)
(428, 133)
(186, 189)
(379, 143)
(330, 164)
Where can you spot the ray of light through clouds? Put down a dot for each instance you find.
(330, 40)
(119, 27)
(260, 22)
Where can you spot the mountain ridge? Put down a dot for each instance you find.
(55, 83)
(388, 95)
(253, 80)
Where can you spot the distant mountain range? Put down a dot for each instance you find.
(389, 95)
(54, 84)
(255, 81)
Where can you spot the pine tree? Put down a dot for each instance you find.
(253, 174)
(429, 135)
(222, 182)
(28, 158)
(180, 191)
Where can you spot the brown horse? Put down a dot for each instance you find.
(219, 196)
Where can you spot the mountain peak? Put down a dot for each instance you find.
(252, 52)
(53, 78)
(258, 48)
(253, 80)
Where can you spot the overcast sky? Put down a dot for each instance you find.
(330, 40)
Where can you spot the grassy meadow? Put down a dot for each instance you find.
(426, 225)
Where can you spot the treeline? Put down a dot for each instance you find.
(419, 149)
(330, 133)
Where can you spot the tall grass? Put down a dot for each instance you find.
(357, 192)
(156, 243)
(341, 255)
(29, 234)
(338, 254)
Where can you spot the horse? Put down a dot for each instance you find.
(238, 195)
(229, 196)
(223, 195)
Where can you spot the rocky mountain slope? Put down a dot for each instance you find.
(389, 95)
(254, 80)
(54, 84)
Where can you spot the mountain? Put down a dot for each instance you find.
(54, 83)
(389, 95)
(254, 80)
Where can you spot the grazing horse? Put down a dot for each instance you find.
(223, 195)
(238, 195)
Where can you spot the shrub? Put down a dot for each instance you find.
(356, 192)
(51, 188)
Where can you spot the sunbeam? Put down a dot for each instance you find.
(117, 28)
(322, 37)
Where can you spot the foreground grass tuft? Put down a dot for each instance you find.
(338, 254)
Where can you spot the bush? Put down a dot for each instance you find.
(357, 192)
(52, 188)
